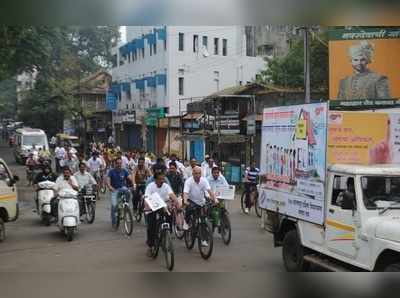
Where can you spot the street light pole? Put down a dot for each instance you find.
(307, 64)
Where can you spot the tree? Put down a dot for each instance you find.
(78, 52)
(288, 71)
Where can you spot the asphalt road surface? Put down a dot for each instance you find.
(33, 247)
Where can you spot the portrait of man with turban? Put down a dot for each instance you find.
(364, 83)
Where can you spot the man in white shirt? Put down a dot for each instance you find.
(189, 170)
(59, 155)
(179, 166)
(83, 177)
(65, 181)
(216, 179)
(70, 161)
(194, 194)
(206, 169)
(95, 164)
(165, 192)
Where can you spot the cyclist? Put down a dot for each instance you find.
(30, 164)
(251, 176)
(117, 181)
(139, 177)
(175, 178)
(216, 179)
(194, 193)
(165, 192)
(179, 166)
(95, 165)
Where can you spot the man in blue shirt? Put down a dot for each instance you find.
(117, 183)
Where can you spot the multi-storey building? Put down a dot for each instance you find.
(158, 67)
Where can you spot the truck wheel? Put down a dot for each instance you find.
(2, 230)
(293, 253)
(393, 268)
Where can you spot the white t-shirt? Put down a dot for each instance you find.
(132, 164)
(61, 183)
(94, 165)
(60, 152)
(206, 170)
(180, 167)
(84, 179)
(196, 191)
(164, 191)
(125, 162)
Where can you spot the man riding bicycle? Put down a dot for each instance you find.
(117, 182)
(139, 177)
(194, 193)
(165, 192)
(95, 165)
(250, 183)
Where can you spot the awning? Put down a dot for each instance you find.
(193, 116)
(259, 117)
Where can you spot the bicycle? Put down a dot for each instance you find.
(140, 206)
(102, 183)
(199, 227)
(177, 222)
(219, 217)
(124, 214)
(253, 200)
(163, 239)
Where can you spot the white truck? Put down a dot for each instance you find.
(340, 216)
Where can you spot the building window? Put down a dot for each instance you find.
(224, 47)
(181, 41)
(155, 48)
(165, 44)
(216, 46)
(205, 42)
(151, 50)
(195, 43)
(181, 82)
(142, 52)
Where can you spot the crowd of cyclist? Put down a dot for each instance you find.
(137, 174)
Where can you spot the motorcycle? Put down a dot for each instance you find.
(68, 213)
(44, 195)
(87, 201)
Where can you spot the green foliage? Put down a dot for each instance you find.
(288, 71)
(70, 54)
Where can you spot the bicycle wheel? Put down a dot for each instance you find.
(190, 235)
(139, 212)
(178, 231)
(118, 218)
(226, 231)
(156, 247)
(90, 212)
(243, 201)
(205, 241)
(256, 205)
(168, 249)
(128, 221)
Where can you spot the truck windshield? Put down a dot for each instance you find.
(381, 192)
(34, 140)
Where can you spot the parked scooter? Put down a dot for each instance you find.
(44, 195)
(68, 212)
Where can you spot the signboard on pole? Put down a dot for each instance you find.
(293, 159)
(364, 63)
(251, 125)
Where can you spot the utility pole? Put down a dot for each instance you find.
(307, 64)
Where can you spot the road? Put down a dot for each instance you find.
(32, 247)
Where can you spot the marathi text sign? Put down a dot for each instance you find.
(293, 160)
(363, 138)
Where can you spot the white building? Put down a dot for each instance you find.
(159, 66)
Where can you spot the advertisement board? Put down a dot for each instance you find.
(363, 138)
(364, 63)
(293, 160)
